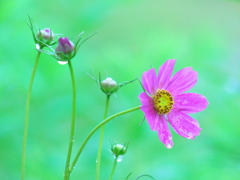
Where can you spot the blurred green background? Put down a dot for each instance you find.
(133, 35)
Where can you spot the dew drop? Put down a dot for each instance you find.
(37, 46)
(190, 136)
(62, 62)
(73, 140)
(169, 146)
(119, 158)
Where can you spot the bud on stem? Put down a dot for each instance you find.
(109, 86)
(118, 150)
(64, 49)
(45, 34)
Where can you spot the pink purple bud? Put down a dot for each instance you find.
(45, 34)
(64, 46)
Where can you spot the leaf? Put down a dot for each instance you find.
(144, 175)
(128, 175)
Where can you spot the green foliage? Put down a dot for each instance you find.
(133, 36)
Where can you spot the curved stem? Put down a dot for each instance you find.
(26, 122)
(144, 175)
(95, 129)
(114, 167)
(99, 154)
(71, 140)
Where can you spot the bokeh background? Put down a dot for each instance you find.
(133, 35)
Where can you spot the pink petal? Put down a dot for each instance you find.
(183, 124)
(164, 73)
(190, 103)
(148, 108)
(182, 81)
(153, 120)
(164, 133)
(149, 81)
(146, 101)
(156, 122)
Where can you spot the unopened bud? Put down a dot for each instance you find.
(45, 34)
(108, 86)
(64, 49)
(119, 149)
(65, 45)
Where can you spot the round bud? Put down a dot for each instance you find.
(64, 46)
(45, 34)
(108, 86)
(118, 149)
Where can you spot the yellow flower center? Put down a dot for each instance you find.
(163, 101)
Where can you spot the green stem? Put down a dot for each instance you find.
(26, 122)
(114, 167)
(95, 129)
(71, 140)
(99, 154)
(106, 107)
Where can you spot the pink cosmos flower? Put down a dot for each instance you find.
(165, 102)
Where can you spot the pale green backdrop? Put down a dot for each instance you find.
(132, 36)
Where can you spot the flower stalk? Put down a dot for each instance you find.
(99, 154)
(71, 140)
(113, 168)
(118, 150)
(26, 122)
(94, 130)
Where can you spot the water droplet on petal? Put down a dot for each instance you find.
(190, 135)
(62, 62)
(169, 146)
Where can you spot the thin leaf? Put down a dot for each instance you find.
(124, 83)
(78, 46)
(93, 76)
(144, 175)
(128, 175)
(141, 84)
(30, 25)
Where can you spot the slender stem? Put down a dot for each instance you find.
(71, 140)
(114, 167)
(99, 154)
(144, 175)
(106, 107)
(95, 129)
(26, 122)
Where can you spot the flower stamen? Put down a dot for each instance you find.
(163, 101)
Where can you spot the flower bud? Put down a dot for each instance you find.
(108, 86)
(65, 46)
(64, 49)
(45, 34)
(118, 149)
